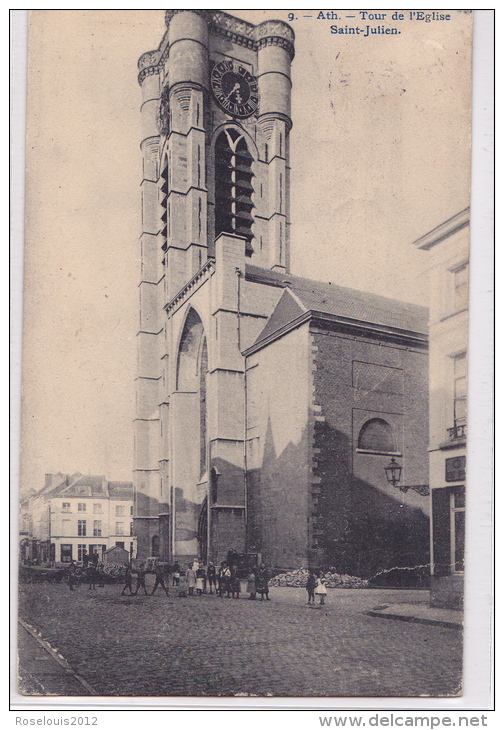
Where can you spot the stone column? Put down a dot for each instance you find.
(187, 237)
(146, 474)
(275, 52)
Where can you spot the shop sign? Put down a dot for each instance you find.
(455, 469)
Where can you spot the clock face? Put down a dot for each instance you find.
(235, 89)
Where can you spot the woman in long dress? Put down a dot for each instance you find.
(200, 581)
(262, 582)
(191, 579)
(251, 585)
(224, 579)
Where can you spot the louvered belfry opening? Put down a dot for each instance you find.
(164, 205)
(233, 187)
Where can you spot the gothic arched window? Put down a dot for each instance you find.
(377, 435)
(192, 345)
(192, 371)
(233, 186)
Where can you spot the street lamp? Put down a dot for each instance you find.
(393, 473)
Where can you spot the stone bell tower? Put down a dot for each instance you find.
(215, 142)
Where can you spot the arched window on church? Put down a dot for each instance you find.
(377, 435)
(192, 372)
(233, 186)
(189, 354)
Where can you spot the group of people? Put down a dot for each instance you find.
(315, 586)
(95, 575)
(224, 581)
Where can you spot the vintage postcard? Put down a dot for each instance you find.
(246, 302)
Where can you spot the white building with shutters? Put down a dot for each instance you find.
(74, 514)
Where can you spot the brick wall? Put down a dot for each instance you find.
(360, 524)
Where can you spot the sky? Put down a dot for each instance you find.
(380, 151)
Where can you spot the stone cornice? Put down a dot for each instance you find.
(149, 64)
(276, 41)
(444, 230)
(344, 324)
(170, 13)
(255, 37)
(204, 272)
(151, 58)
(267, 123)
(240, 32)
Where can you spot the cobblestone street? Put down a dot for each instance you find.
(209, 646)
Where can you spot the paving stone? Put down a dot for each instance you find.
(210, 646)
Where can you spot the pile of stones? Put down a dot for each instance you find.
(114, 570)
(297, 579)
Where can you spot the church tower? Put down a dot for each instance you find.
(215, 199)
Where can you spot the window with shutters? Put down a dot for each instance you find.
(233, 186)
(163, 192)
(460, 389)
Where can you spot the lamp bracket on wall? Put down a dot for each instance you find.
(393, 473)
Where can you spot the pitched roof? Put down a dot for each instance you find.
(287, 309)
(87, 486)
(90, 485)
(121, 490)
(332, 299)
(54, 483)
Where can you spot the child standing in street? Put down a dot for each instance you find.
(320, 590)
(310, 587)
(128, 580)
(160, 572)
(141, 579)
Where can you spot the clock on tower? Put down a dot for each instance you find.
(235, 89)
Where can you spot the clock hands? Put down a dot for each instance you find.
(235, 90)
